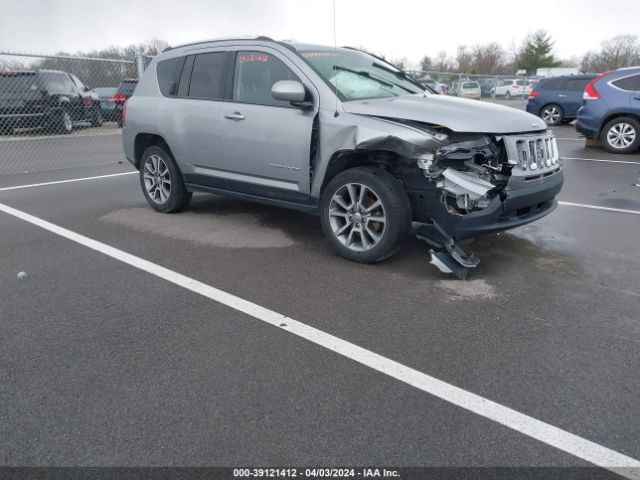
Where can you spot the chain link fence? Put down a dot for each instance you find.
(511, 90)
(61, 111)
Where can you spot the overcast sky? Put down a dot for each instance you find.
(399, 28)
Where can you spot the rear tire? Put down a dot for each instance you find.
(507, 95)
(365, 214)
(64, 123)
(621, 135)
(552, 114)
(161, 181)
(96, 119)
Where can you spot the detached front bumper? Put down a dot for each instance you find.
(511, 208)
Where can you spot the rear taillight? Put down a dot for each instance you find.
(124, 113)
(119, 97)
(534, 94)
(590, 92)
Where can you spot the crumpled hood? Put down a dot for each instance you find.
(458, 114)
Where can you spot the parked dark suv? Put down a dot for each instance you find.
(557, 99)
(125, 90)
(47, 99)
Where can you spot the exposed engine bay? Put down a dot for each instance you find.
(467, 172)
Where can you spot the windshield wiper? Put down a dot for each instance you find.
(400, 74)
(364, 73)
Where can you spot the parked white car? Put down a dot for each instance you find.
(513, 88)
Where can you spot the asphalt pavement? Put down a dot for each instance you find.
(105, 364)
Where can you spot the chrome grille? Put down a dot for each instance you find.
(534, 151)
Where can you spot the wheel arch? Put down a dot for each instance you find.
(613, 116)
(346, 159)
(144, 141)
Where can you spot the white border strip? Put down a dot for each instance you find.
(18, 187)
(601, 160)
(596, 207)
(586, 450)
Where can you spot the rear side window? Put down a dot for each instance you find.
(18, 84)
(255, 74)
(127, 87)
(169, 75)
(576, 84)
(207, 76)
(553, 84)
(629, 84)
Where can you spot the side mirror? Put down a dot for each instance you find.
(291, 91)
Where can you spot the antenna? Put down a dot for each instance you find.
(335, 56)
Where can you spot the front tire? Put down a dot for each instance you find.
(621, 135)
(552, 114)
(161, 181)
(507, 95)
(365, 214)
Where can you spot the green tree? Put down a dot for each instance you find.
(537, 52)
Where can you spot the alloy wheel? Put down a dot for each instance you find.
(67, 123)
(357, 217)
(157, 179)
(551, 115)
(621, 135)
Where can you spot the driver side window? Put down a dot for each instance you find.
(255, 74)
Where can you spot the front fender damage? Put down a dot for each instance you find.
(445, 174)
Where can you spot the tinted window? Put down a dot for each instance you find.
(255, 74)
(18, 83)
(631, 83)
(78, 83)
(207, 75)
(553, 84)
(127, 87)
(576, 84)
(58, 83)
(169, 75)
(470, 85)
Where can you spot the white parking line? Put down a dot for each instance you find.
(601, 160)
(596, 207)
(580, 447)
(572, 139)
(18, 187)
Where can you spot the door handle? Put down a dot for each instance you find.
(562, 96)
(234, 116)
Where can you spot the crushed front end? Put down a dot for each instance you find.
(478, 184)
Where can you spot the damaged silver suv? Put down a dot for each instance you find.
(341, 134)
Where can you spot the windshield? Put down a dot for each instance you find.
(357, 75)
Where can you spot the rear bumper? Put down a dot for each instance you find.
(512, 208)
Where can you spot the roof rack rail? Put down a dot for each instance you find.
(261, 37)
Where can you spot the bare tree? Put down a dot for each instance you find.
(442, 62)
(617, 52)
(464, 59)
(488, 59)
